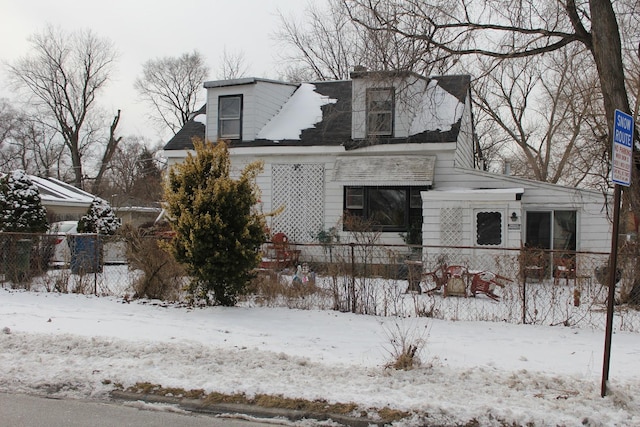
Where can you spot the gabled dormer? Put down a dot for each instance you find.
(239, 108)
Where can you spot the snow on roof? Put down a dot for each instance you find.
(480, 190)
(53, 190)
(242, 81)
(439, 110)
(301, 111)
(201, 118)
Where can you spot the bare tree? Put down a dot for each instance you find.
(232, 66)
(109, 151)
(8, 121)
(29, 143)
(539, 116)
(64, 74)
(134, 175)
(172, 87)
(327, 45)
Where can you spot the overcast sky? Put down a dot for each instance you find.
(149, 29)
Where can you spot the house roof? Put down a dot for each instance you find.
(320, 114)
(242, 81)
(194, 128)
(55, 192)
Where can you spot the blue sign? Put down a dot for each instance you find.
(622, 156)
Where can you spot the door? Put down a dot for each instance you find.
(551, 230)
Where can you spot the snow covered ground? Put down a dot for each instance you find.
(494, 373)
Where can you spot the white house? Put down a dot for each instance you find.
(395, 148)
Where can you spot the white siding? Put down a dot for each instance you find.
(465, 153)
(332, 202)
(593, 225)
(469, 203)
(261, 101)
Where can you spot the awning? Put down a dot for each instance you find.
(385, 170)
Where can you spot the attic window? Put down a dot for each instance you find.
(380, 111)
(230, 117)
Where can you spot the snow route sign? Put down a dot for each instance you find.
(621, 158)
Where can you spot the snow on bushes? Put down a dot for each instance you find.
(100, 218)
(21, 207)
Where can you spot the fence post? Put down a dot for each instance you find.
(95, 263)
(524, 300)
(352, 290)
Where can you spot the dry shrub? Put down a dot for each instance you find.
(271, 288)
(83, 284)
(406, 343)
(162, 276)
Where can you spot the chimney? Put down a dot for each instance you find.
(507, 168)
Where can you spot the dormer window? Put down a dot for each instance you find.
(230, 117)
(380, 111)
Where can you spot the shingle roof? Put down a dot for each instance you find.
(194, 128)
(335, 126)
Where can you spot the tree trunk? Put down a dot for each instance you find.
(108, 153)
(76, 161)
(607, 53)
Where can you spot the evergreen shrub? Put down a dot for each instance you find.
(218, 227)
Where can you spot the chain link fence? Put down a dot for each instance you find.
(65, 263)
(452, 283)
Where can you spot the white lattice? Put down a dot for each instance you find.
(451, 226)
(300, 189)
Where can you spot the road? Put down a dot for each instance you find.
(17, 410)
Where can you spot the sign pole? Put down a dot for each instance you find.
(611, 281)
(621, 163)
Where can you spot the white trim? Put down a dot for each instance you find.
(488, 195)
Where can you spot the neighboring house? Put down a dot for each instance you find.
(63, 201)
(395, 148)
(137, 215)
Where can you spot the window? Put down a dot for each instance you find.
(380, 112)
(354, 198)
(230, 117)
(389, 208)
(551, 230)
(489, 228)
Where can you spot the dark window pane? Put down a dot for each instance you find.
(489, 228)
(380, 100)
(380, 123)
(387, 206)
(564, 230)
(380, 111)
(538, 232)
(230, 128)
(230, 107)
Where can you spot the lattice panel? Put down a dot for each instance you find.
(300, 189)
(451, 226)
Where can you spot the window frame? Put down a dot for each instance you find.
(377, 112)
(549, 220)
(489, 241)
(412, 213)
(238, 118)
